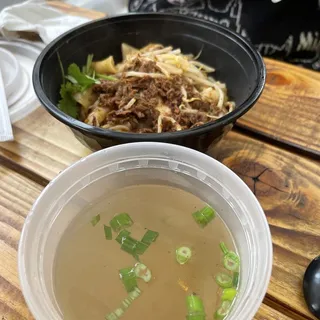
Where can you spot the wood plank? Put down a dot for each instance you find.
(288, 110)
(16, 197)
(287, 186)
(268, 313)
(45, 146)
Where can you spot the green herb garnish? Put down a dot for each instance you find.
(131, 297)
(149, 237)
(235, 280)
(195, 308)
(183, 255)
(122, 235)
(223, 280)
(223, 248)
(121, 221)
(77, 77)
(108, 232)
(129, 279)
(95, 220)
(61, 68)
(142, 272)
(229, 294)
(77, 82)
(105, 77)
(129, 245)
(223, 310)
(67, 104)
(141, 248)
(116, 314)
(231, 261)
(87, 69)
(133, 246)
(204, 216)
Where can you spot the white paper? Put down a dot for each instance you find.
(111, 7)
(5, 124)
(36, 16)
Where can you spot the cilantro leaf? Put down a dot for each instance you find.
(67, 104)
(83, 80)
(77, 81)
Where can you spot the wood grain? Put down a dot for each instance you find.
(45, 147)
(289, 108)
(17, 195)
(287, 186)
(267, 313)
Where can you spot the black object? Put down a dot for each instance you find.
(237, 63)
(311, 287)
(297, 39)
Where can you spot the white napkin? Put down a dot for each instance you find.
(36, 16)
(112, 7)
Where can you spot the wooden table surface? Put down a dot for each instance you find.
(275, 149)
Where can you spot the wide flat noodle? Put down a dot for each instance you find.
(148, 81)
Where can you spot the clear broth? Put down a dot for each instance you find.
(87, 284)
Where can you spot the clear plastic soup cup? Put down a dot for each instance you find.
(141, 163)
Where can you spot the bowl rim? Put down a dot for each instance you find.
(231, 117)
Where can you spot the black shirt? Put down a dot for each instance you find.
(283, 29)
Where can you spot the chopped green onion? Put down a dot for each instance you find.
(141, 247)
(88, 68)
(131, 297)
(95, 220)
(129, 279)
(115, 315)
(196, 317)
(129, 245)
(149, 237)
(105, 77)
(223, 280)
(183, 255)
(121, 221)
(223, 248)
(61, 68)
(223, 310)
(71, 79)
(235, 281)
(111, 316)
(122, 235)
(195, 308)
(231, 261)
(108, 232)
(142, 272)
(134, 294)
(132, 246)
(204, 216)
(228, 294)
(126, 303)
(194, 304)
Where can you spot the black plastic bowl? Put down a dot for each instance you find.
(237, 64)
